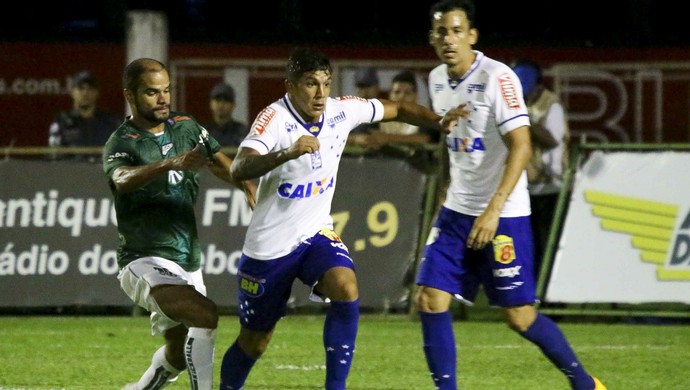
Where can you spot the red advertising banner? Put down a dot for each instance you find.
(613, 95)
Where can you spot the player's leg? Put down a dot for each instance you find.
(158, 375)
(510, 284)
(437, 335)
(264, 289)
(328, 268)
(441, 276)
(199, 315)
(339, 284)
(239, 359)
(180, 311)
(544, 333)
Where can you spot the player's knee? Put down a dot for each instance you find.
(520, 318)
(348, 291)
(424, 301)
(201, 313)
(516, 326)
(253, 345)
(208, 317)
(339, 284)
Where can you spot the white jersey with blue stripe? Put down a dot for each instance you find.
(294, 199)
(477, 153)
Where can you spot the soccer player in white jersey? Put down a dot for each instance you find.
(294, 147)
(482, 234)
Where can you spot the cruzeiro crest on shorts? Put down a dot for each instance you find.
(504, 249)
(330, 234)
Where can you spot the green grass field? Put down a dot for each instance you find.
(105, 352)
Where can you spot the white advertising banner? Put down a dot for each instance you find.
(626, 237)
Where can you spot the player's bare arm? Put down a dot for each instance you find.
(130, 178)
(250, 164)
(519, 153)
(418, 115)
(220, 167)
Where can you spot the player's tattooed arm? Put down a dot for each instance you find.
(250, 164)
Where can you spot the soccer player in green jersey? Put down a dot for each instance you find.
(152, 162)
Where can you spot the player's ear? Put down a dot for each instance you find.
(473, 36)
(289, 85)
(129, 96)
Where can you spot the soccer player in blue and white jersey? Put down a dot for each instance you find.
(294, 147)
(482, 234)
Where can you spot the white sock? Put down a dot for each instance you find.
(159, 374)
(198, 353)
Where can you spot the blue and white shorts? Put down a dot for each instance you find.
(265, 285)
(504, 268)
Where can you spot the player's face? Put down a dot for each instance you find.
(452, 38)
(152, 99)
(310, 93)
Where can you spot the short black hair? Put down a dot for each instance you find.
(305, 60)
(445, 6)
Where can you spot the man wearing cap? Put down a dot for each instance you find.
(226, 130)
(85, 124)
(367, 83)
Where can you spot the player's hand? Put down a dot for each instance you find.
(452, 116)
(191, 160)
(483, 230)
(305, 144)
(249, 188)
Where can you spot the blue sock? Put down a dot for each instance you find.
(439, 348)
(339, 334)
(549, 338)
(235, 368)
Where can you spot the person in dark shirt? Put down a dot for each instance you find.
(224, 128)
(85, 124)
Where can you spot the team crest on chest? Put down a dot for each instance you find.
(166, 148)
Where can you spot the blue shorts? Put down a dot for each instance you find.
(265, 285)
(504, 267)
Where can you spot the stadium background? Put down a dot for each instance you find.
(73, 35)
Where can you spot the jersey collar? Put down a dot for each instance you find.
(314, 128)
(453, 83)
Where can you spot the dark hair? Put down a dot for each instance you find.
(131, 77)
(406, 77)
(304, 60)
(445, 6)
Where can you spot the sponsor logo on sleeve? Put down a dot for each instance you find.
(508, 91)
(349, 97)
(262, 120)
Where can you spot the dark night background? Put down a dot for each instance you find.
(585, 23)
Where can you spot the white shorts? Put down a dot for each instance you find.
(139, 276)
